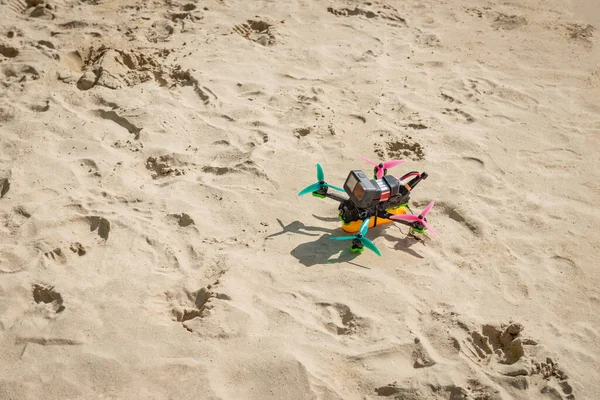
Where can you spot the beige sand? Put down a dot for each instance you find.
(153, 245)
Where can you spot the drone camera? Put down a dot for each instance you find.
(364, 192)
(360, 188)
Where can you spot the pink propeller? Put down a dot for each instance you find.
(381, 167)
(420, 218)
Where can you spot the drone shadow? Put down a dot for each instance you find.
(320, 251)
(326, 219)
(324, 251)
(404, 244)
(299, 228)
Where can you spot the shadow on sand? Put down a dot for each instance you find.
(320, 251)
(325, 251)
(406, 243)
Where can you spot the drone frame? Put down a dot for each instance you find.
(416, 223)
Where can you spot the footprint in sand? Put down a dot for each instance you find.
(15, 258)
(8, 51)
(476, 12)
(15, 218)
(429, 40)
(349, 12)
(477, 90)
(161, 31)
(503, 345)
(59, 255)
(468, 90)
(388, 13)
(32, 8)
(80, 232)
(474, 390)
(302, 132)
(405, 362)
(560, 269)
(89, 167)
(13, 32)
(244, 167)
(18, 74)
(56, 255)
(191, 305)
(172, 259)
(503, 351)
(580, 32)
(165, 165)
(438, 330)
(391, 360)
(185, 78)
(78, 249)
(257, 31)
(342, 321)
(134, 146)
(552, 160)
(187, 13)
(165, 257)
(449, 98)
(47, 295)
(498, 20)
(39, 105)
(459, 115)
(100, 224)
(400, 149)
(115, 69)
(182, 219)
(507, 22)
(186, 305)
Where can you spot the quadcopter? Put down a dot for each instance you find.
(373, 202)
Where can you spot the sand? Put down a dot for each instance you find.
(153, 245)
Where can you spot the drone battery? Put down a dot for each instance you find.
(361, 190)
(384, 189)
(393, 185)
(388, 187)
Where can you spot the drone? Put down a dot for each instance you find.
(373, 202)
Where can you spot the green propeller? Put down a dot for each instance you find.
(320, 184)
(360, 236)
